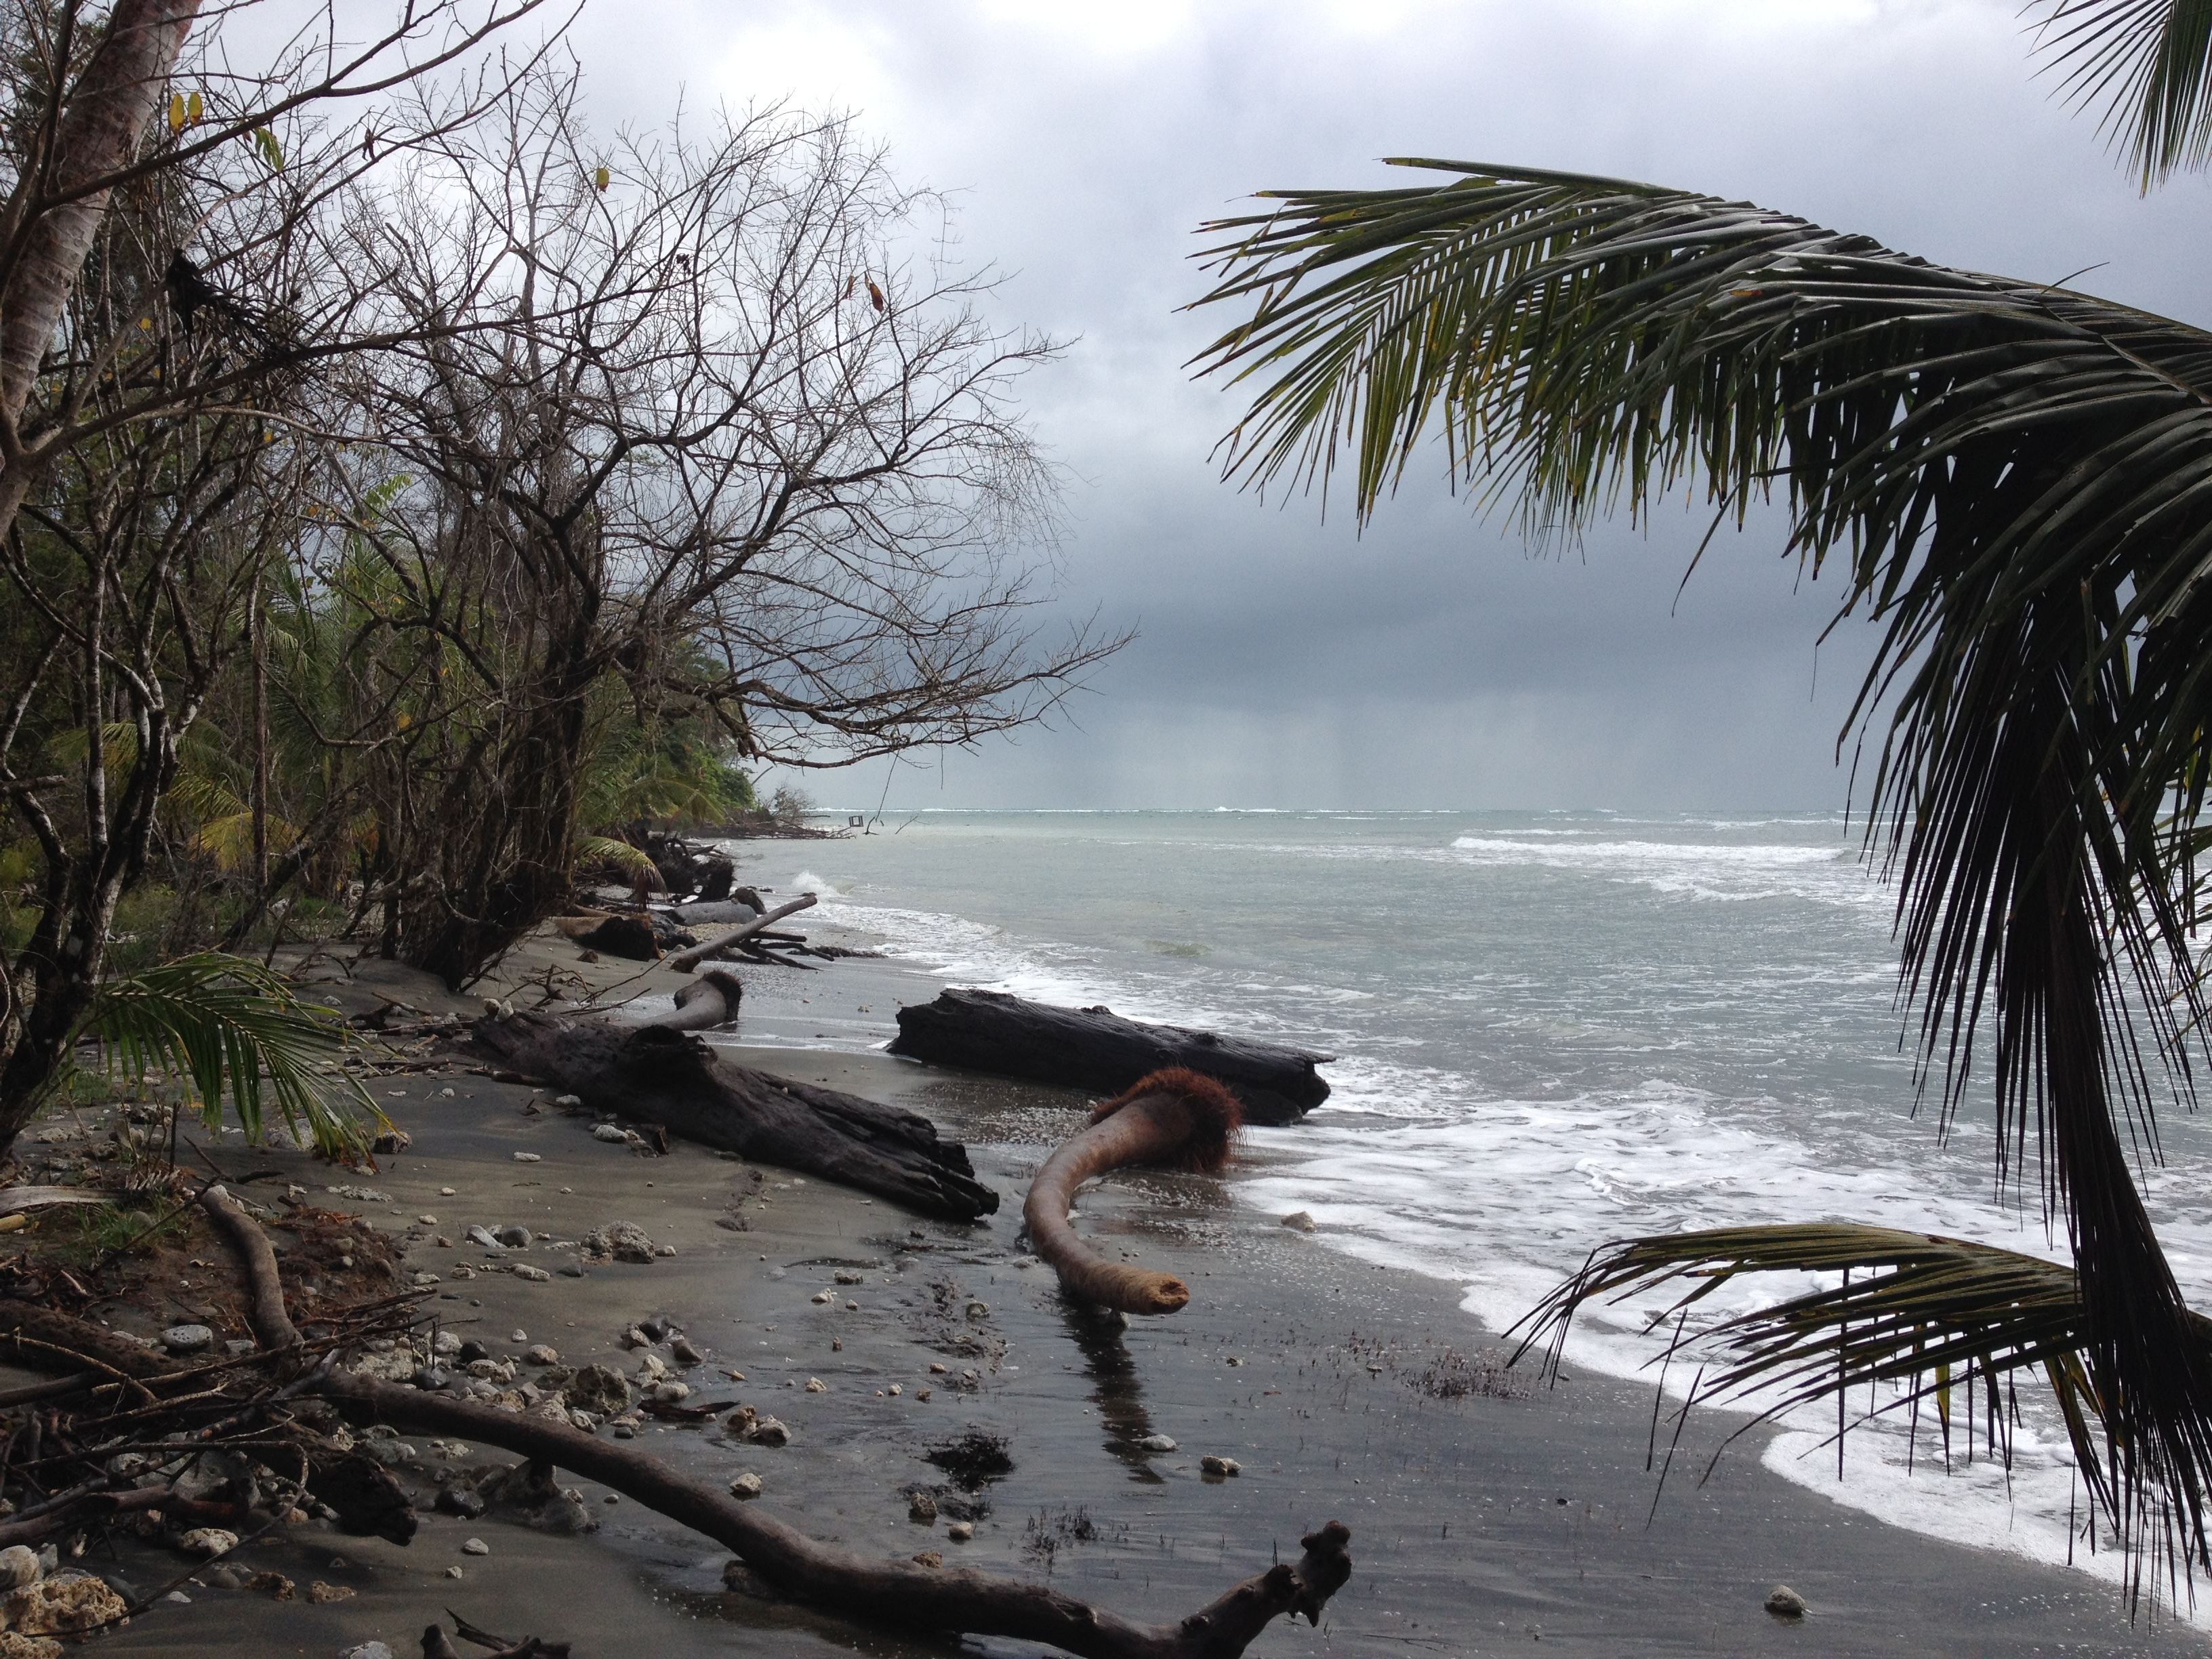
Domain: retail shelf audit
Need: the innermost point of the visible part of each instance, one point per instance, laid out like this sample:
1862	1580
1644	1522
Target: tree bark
1096	1049
1175	1120
655	1074
903	1595
97	134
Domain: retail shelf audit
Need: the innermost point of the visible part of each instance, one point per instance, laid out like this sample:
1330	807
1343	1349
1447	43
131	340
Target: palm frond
1925	1314
2148	64
607	850
2018	482
235	1029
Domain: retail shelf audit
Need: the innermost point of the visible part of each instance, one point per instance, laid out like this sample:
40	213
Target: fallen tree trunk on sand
902	1594
905	1594
1096	1049
1172	1119
659	1074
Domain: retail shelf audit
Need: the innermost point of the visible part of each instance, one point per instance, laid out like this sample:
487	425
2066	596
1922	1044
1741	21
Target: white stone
208	1540
475	1546
18	1566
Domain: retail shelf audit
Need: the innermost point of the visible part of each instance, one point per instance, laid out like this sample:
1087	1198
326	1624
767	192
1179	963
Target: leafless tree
701	414
158	410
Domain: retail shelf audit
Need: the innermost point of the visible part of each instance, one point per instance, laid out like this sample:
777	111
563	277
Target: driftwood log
684	961
904	1594
1097	1049
658	1074
1172	1119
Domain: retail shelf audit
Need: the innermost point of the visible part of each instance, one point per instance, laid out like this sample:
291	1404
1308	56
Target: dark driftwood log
1096	1049
656	1075
902	1594
272	1326
1172	1119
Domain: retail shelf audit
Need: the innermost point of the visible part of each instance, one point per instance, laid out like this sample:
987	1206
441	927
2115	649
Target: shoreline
1479	1523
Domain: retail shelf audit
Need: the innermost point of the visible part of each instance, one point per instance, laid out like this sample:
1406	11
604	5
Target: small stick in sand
1175	1119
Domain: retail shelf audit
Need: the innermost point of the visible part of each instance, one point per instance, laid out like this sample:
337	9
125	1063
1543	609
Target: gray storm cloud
1432	661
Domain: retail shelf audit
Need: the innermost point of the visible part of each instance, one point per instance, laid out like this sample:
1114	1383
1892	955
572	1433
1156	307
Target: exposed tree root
900	1593
890	1592
271	1325
1175	1120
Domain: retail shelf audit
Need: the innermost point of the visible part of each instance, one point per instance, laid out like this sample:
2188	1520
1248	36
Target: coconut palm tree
2014	482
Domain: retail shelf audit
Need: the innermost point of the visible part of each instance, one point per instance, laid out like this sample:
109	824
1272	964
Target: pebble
747	1485
846	1276
323	1594
922	1393
771	1432
207	1541
518	1336
480	1234
685	1353
975	1309
528	1157
567	1100
920	1506
938	1367
515	1238
453	1572
19	1566
187	1339
928	1558
446	1192
368	1650
960	1531
1155	1442
610	1133
823	1297
542	1355
227	1578
894	1391
1211	1465
177	1598
523	1270
1785	1603
816	1385
1301	1221
428	1220
475	1546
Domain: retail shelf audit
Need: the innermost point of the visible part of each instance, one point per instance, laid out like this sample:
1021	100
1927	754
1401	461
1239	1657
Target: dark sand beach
1480	1523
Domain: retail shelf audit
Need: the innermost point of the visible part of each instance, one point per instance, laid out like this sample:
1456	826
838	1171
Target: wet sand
1480	1524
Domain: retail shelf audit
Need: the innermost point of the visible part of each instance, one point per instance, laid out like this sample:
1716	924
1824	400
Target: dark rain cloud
1434	660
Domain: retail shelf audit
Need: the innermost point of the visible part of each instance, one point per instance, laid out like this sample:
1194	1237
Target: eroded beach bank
1486	1513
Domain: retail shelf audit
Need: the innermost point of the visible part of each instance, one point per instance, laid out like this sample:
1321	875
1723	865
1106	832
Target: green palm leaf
2016	483
1919	1310
236	1029
2150	63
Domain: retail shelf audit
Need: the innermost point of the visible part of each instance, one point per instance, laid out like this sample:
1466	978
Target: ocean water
1554	1029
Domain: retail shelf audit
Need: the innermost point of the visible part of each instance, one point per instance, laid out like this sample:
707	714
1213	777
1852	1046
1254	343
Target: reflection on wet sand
1115	1391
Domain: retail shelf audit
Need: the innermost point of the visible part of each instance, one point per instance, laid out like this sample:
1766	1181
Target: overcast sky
1432	662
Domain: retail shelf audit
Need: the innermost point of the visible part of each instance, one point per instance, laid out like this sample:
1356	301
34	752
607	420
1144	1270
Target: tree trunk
98	133
655	1074
1096	1049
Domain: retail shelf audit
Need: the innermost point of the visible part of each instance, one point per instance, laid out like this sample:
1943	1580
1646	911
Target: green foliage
1915	1309
234	1027
2150	63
